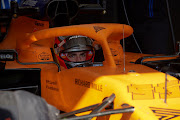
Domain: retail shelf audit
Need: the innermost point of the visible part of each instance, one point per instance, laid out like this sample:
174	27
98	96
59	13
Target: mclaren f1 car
121	87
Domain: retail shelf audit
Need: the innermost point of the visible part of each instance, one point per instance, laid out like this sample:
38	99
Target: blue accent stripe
150	8
152	14
5	4
2	4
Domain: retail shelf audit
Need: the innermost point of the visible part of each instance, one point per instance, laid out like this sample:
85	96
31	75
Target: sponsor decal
82	83
148	91
96	86
166	114
44	56
98	28
87	84
76	36
6	56
51	85
39	24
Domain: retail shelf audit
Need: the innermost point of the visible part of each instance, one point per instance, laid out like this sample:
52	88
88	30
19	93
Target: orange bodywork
71	89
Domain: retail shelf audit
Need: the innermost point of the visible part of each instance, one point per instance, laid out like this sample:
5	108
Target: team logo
39	24
44	56
166	114
98	28
63	55
90	53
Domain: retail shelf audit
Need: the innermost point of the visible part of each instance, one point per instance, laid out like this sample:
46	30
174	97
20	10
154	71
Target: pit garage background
155	22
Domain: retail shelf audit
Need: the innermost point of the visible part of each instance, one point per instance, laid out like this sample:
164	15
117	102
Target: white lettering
6	56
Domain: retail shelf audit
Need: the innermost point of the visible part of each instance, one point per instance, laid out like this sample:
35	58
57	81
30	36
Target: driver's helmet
76	51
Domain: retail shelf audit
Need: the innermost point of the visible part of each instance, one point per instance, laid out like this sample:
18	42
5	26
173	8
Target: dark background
149	19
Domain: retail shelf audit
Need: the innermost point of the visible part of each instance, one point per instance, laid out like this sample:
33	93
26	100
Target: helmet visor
77	56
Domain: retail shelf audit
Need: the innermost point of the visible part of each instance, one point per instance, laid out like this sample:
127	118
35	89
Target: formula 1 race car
117	88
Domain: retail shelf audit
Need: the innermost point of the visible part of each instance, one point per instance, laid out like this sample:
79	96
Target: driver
76	51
